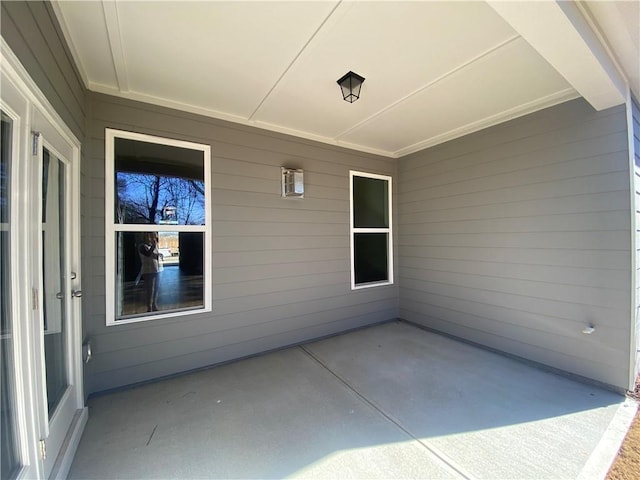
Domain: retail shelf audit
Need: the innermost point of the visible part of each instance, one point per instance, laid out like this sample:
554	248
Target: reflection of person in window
150	269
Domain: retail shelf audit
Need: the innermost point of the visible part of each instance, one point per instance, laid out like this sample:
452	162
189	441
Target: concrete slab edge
599	462
130	386
525	361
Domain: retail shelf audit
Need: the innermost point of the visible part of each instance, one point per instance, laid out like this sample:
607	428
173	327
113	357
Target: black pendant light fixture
350	85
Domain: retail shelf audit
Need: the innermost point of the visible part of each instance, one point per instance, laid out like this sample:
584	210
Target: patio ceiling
434	70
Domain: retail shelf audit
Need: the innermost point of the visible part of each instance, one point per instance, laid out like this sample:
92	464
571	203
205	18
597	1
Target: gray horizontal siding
240	342
514	237
518	237
281	267
635	118
32	31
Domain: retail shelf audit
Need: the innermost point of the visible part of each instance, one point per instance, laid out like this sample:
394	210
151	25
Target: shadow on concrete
387	401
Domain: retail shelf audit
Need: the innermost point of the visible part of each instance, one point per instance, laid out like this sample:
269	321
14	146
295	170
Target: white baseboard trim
70	445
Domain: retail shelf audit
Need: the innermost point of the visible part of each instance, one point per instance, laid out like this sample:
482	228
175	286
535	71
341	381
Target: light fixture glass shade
350	85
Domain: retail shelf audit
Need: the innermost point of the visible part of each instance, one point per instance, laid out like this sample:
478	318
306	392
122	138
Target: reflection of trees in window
161	186
153	199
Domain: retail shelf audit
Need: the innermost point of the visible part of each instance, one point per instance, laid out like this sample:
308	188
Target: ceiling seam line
430	84
116	46
187	108
295	59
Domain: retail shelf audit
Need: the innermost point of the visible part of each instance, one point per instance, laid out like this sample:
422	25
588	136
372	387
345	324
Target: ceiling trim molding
560	33
205	112
70	44
428	85
519	111
163	102
318	138
110	11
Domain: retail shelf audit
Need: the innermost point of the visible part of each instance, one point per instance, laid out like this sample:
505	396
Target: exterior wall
515	237
518	237
281	267
32	31
635	111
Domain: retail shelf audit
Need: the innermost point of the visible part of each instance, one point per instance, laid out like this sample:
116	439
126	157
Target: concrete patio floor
389	401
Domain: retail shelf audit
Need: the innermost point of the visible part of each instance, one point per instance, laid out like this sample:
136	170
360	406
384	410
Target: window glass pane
158	272
370	203
370	257
9	461
158	184
54	243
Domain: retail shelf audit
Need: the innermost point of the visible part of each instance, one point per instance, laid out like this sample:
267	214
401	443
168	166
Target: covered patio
485	185
388	401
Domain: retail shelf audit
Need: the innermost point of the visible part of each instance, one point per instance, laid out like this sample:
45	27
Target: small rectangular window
371	232
158	238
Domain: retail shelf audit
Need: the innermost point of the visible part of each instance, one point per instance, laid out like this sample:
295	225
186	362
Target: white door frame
35	113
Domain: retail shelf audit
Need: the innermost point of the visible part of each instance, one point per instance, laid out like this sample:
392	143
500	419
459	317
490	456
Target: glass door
54	265
42	412
10	458
54	277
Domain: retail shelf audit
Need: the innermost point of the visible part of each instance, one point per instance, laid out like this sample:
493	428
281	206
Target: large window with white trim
158	227
371	230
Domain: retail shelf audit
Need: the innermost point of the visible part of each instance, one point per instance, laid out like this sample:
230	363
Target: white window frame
111	227
31	111
389	230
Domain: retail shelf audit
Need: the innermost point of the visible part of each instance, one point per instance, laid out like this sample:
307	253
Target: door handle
59	295
76	293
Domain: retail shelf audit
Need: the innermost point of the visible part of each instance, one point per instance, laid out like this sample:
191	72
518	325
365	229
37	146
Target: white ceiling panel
217	55
87	37
434	70
483	92
397	47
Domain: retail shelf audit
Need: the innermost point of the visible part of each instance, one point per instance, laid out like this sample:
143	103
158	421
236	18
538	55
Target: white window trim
111	227
353	230
34	104
26	403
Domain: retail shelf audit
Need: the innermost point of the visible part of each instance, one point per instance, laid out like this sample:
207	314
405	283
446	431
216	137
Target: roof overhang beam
559	32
